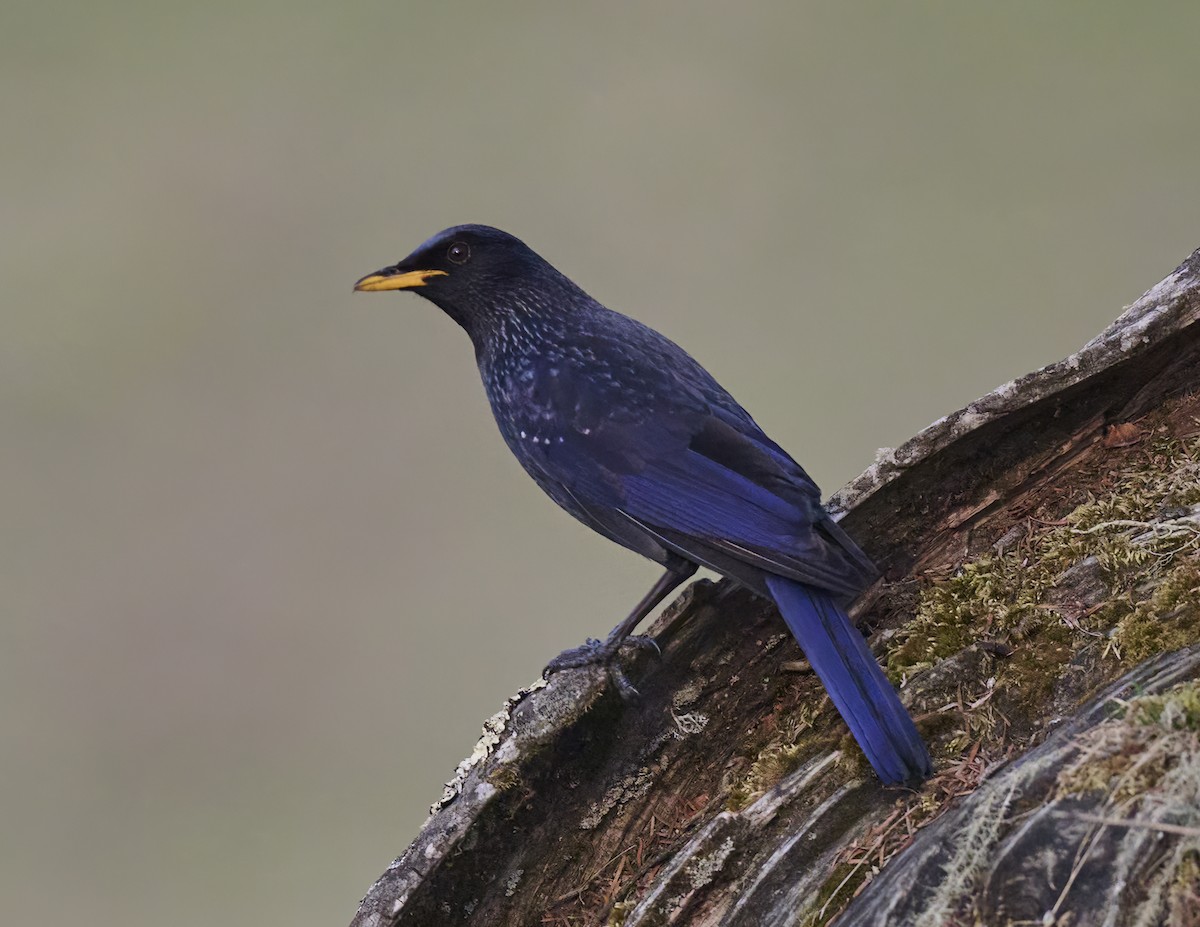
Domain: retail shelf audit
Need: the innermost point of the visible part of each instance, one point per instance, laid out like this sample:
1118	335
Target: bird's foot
606	654
601	653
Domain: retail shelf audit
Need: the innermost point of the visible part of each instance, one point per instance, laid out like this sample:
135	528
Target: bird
633	437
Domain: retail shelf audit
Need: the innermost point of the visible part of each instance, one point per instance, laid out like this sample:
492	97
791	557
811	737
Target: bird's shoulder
602	356
572	366
613	392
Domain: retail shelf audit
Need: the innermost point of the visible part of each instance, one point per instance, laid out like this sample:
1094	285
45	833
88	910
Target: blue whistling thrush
624	430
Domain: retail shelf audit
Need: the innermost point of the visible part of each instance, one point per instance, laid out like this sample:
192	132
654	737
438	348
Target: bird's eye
459	252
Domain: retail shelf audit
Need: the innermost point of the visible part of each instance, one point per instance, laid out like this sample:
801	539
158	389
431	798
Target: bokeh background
266	565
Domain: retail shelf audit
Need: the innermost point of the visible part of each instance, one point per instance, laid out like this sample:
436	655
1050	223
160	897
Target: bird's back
610	416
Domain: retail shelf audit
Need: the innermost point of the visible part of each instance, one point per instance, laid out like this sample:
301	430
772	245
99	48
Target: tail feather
854	680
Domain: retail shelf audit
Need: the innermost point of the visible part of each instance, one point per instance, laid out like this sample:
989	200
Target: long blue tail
853	678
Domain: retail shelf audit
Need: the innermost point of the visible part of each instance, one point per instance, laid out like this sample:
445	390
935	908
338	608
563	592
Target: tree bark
1041	608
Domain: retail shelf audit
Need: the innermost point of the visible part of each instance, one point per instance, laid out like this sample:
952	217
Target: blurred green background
266	564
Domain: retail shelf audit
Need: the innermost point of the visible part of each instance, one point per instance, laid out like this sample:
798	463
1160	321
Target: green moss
1177	709
1183	899
835	893
795	741
1034	668
1006	596
950	614
1093	776
505	777
1123	777
1134	754
1168	620
992	597
767	769
954	733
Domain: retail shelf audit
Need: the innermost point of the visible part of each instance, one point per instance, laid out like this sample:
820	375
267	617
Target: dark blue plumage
624	430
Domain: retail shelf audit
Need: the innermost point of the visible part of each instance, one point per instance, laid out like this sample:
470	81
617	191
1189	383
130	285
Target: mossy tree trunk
1041	610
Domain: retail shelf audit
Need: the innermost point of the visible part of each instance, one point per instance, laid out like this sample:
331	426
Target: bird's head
473	273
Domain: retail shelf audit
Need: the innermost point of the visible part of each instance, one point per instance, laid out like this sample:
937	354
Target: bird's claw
643	642
591	652
608	655
621	683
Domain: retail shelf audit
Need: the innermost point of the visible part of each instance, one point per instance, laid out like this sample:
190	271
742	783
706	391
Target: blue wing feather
693	494
763	514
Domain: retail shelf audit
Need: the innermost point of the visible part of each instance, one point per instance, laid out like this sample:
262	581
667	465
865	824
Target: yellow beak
383	280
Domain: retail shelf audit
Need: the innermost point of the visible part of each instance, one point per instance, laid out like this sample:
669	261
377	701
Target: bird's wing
699	478
735	495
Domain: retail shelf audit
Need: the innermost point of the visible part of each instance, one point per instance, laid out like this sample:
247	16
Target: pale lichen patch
493	731
632	787
692	722
684	696
704	869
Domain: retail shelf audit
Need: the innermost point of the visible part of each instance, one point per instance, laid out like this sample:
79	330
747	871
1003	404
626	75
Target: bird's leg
667	583
606	652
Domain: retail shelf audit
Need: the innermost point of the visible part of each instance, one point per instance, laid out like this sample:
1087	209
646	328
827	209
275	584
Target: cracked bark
1033	632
